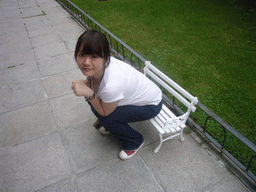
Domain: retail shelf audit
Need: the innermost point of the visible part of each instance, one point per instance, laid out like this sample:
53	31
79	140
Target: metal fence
127	54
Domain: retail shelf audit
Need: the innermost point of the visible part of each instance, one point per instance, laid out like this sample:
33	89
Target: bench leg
160	144
181	135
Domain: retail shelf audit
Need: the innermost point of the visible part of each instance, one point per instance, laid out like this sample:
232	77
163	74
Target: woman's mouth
86	69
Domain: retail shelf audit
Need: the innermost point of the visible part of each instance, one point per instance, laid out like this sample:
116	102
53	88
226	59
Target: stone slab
183	166
19	74
56	12
70	110
27	3
50	50
31	11
128	176
9	9
47	3
41	31
9	5
45	40
69	31
71	45
66	185
229	184
9	38
87	148
11	29
60	84
8	60
39	22
15	47
33	165
57	64
20	95
25	124
60	20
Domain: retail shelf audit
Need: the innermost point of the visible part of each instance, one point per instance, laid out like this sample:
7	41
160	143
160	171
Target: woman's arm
104	109
81	88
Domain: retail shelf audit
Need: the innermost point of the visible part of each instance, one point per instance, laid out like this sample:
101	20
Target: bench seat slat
157	126
162	116
168	112
161	124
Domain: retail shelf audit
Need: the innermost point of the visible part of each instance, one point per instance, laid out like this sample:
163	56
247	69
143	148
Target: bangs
91	47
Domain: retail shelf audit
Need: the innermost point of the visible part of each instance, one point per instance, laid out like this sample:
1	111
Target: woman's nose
86	60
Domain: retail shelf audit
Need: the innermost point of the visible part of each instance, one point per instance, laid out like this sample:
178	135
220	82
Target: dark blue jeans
117	122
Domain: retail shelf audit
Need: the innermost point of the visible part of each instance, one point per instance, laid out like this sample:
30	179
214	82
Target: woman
118	93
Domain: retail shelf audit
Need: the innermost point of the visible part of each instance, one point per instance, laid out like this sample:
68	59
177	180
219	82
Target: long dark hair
93	42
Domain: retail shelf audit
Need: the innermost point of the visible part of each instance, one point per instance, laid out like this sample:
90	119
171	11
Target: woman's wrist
90	97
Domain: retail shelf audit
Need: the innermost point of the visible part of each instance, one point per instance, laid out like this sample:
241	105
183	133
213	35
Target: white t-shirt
122	82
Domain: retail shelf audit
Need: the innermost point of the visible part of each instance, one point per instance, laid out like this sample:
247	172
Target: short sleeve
112	94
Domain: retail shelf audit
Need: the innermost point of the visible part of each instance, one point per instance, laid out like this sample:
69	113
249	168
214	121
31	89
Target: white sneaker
128	154
103	131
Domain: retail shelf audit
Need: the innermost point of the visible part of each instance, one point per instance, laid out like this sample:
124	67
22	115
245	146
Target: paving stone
41	31
182	166
71	45
50	50
25	124
32	23
45	40
60	20
129	176
229	184
20	95
37	23
69	32
60	84
21	57
57	64
15	47
33	165
9	10
27	3
87	148
66	185
31	11
9	4
8	25
9	38
55	12
18	74
47	3
70	110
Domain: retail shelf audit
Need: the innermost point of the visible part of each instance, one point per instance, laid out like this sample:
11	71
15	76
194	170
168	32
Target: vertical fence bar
249	163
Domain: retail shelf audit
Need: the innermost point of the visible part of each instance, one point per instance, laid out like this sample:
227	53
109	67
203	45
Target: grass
206	46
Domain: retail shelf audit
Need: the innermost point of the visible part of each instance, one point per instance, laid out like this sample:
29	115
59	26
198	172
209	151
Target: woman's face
90	65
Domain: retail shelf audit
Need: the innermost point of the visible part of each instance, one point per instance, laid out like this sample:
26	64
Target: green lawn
206	46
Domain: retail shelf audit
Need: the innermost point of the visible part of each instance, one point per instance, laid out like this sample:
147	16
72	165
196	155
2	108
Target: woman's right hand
82	88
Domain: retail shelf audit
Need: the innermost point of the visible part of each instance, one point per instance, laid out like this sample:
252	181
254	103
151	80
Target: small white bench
166	122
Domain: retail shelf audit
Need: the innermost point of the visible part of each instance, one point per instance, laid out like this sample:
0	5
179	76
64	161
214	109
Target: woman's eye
94	57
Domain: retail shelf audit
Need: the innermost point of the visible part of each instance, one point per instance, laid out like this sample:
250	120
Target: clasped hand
81	88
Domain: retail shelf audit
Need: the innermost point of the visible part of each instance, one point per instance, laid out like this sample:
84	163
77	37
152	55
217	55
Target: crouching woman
118	94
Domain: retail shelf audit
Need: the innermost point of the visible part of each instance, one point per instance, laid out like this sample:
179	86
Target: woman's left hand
80	88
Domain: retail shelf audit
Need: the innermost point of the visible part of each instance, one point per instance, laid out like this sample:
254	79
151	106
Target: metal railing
127	54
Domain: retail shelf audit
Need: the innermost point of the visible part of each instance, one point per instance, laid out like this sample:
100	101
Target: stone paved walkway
47	142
